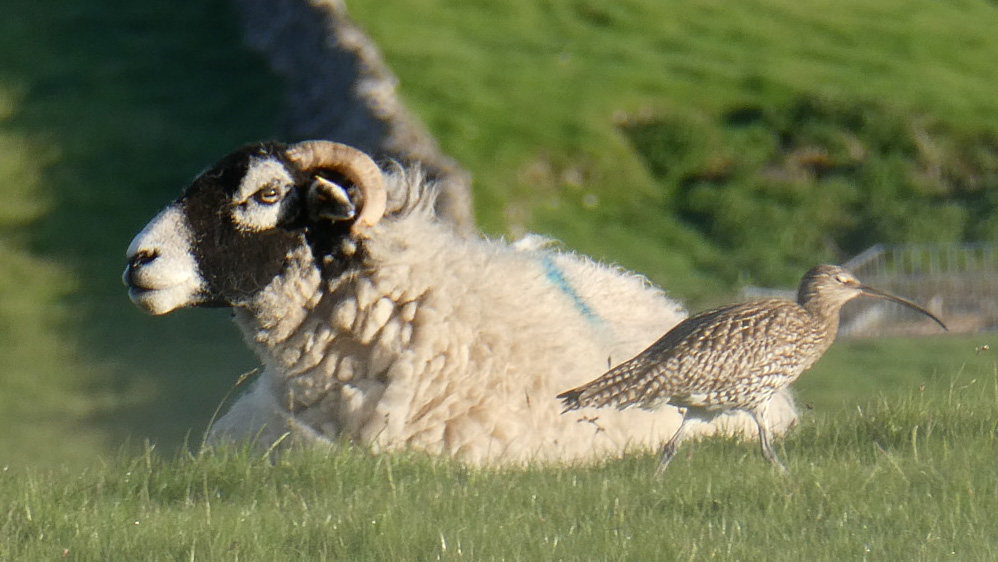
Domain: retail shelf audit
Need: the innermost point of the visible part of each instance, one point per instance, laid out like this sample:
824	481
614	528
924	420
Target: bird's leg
766	438
669	450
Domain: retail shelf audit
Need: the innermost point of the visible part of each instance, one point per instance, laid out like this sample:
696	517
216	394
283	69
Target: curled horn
355	166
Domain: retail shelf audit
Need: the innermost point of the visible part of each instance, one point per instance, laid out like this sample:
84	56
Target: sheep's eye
268	195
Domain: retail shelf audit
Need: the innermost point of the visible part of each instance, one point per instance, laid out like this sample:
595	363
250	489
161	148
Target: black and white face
226	238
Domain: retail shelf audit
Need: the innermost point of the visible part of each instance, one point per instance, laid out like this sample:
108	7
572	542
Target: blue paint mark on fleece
553	274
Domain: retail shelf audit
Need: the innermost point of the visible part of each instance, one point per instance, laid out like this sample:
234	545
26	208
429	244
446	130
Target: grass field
107	108
909	477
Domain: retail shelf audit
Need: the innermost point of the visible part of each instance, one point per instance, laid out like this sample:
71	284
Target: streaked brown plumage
732	358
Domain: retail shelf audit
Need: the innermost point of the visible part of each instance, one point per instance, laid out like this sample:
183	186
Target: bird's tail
572	399
614	388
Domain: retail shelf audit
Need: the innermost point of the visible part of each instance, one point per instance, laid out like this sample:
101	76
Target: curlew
732	358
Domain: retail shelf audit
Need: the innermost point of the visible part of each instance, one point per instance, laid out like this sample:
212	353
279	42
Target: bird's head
828	287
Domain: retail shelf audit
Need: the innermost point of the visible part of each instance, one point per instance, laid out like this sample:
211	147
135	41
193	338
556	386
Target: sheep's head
235	227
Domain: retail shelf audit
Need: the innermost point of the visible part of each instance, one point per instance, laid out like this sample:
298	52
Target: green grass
905	478
107	108
854	370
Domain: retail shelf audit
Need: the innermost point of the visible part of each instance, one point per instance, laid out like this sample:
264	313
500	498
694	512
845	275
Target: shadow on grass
135	98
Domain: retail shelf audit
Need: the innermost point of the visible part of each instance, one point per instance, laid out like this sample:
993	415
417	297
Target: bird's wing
639	379
697	361
620	387
740	353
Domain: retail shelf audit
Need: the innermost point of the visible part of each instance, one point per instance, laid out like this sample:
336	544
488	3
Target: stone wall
339	88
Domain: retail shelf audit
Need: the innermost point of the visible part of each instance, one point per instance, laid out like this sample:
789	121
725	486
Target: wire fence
957	282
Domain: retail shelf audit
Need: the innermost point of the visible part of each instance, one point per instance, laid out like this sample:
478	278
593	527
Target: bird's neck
826	318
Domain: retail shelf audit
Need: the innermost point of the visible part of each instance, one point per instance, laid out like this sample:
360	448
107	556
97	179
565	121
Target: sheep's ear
327	200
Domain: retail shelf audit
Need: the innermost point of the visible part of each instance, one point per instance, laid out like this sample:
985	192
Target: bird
732	358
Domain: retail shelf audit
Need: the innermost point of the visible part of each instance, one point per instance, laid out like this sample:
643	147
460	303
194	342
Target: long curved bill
871	292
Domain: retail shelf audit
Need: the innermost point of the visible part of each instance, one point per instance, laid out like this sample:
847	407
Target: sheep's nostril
143	257
135	264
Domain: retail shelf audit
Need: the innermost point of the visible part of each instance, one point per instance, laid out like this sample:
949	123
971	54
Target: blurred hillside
107	109
708	143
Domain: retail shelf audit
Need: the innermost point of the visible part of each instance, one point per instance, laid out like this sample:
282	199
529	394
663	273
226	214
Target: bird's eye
268	195
844	279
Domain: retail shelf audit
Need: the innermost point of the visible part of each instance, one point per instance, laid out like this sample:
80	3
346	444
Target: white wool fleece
454	346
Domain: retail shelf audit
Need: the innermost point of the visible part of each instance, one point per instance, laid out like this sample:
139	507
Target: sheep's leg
766	438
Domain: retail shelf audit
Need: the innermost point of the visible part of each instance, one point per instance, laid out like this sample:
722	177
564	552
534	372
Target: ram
377	323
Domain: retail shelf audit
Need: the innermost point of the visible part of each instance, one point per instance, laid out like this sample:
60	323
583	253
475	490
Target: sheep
376	323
